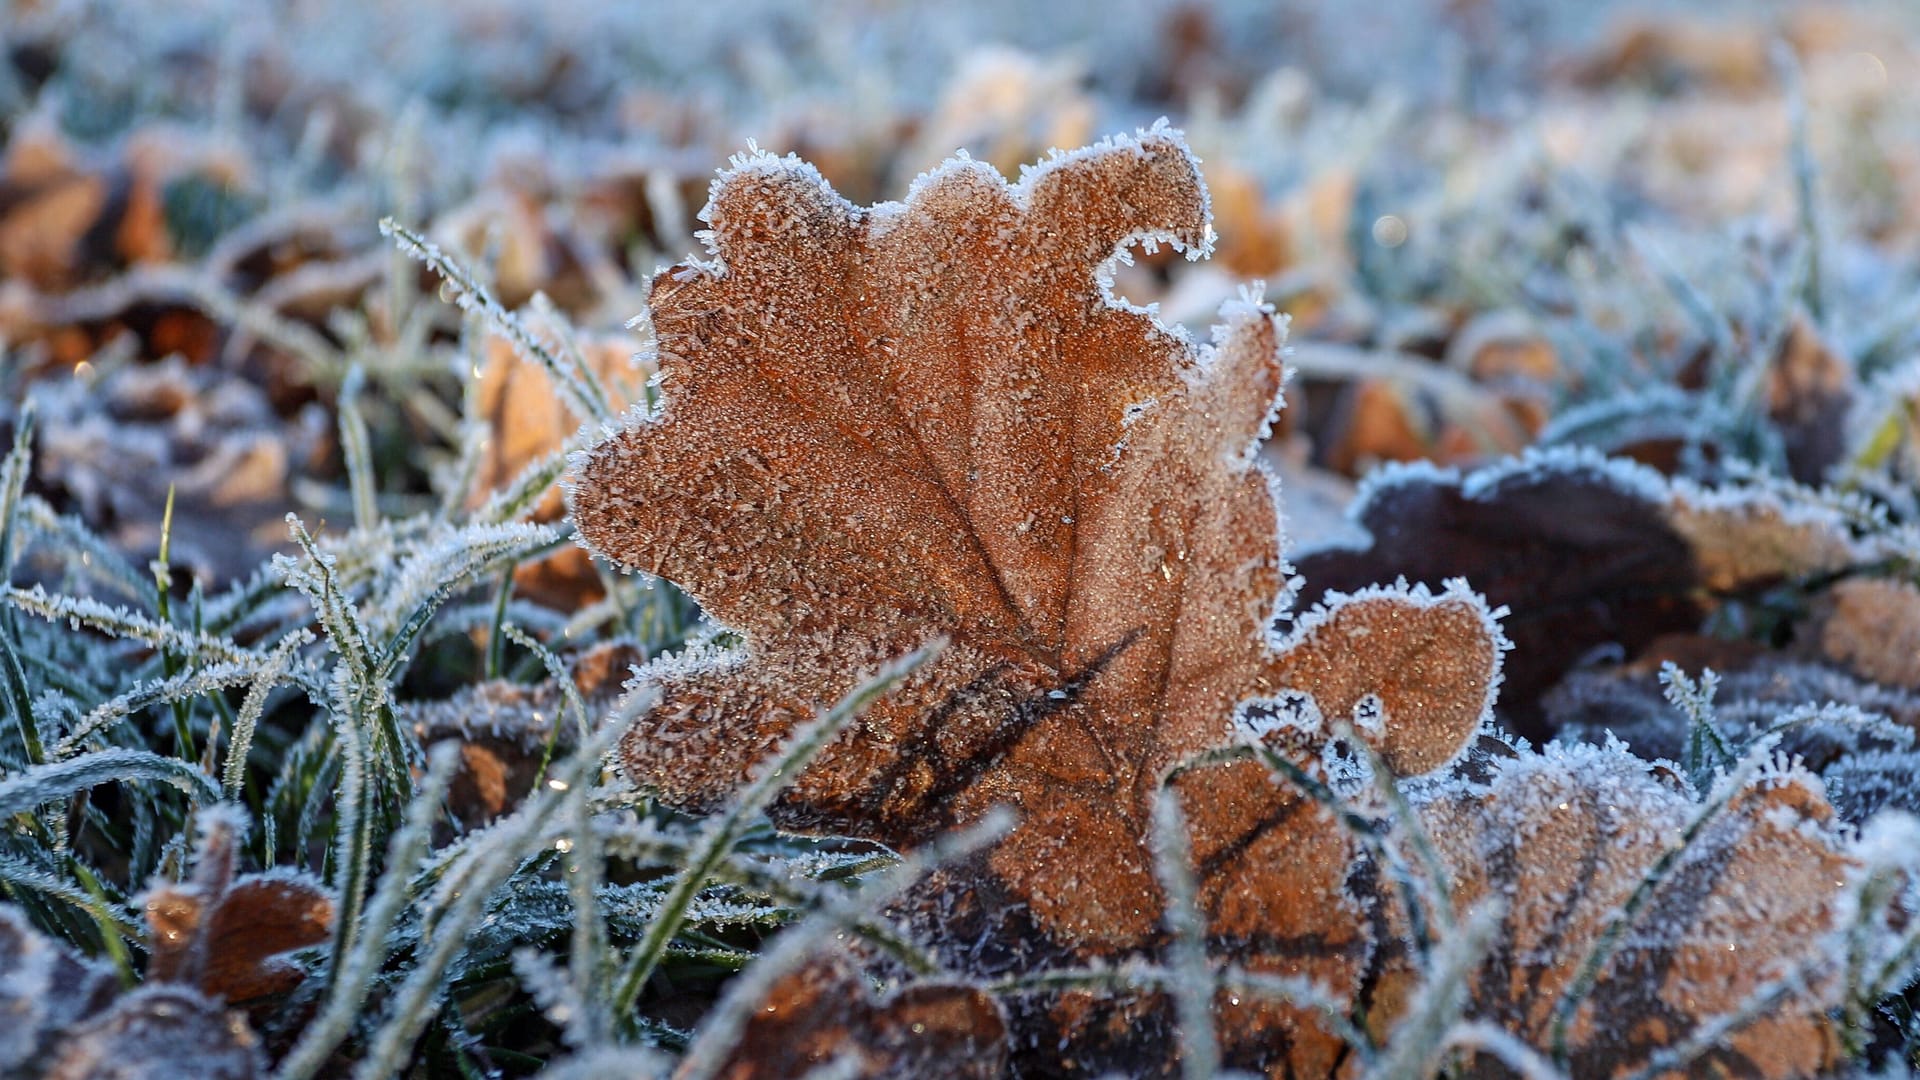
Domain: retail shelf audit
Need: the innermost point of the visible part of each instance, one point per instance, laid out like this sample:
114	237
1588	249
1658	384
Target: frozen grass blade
1707	751
579	389
1193	985
1526	1062
42	784
188	684
1130	977
353	969
524	491
461	897
13	484
1413	1050
234	777
1813	290
357	448
584	864
123	623
19	704
21	874
557	671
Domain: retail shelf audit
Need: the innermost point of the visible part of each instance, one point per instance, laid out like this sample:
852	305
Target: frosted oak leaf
930	418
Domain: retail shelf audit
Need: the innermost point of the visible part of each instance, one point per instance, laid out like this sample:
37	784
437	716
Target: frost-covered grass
583	930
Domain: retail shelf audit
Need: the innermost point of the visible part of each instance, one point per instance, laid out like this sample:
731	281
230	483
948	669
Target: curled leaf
227	935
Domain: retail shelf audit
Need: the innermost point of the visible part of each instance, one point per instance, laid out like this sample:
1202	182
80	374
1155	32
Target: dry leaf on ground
226	935
925	419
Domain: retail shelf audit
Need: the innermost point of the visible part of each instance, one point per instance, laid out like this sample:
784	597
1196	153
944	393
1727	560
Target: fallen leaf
1858	736
925	419
1871	626
1566	837
1589	554
160	1032
1579	559
228	936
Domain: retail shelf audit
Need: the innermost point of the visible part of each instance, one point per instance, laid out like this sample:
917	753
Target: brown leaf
1872	627
226	935
925	419
1588	554
1566	837
825	1012
1580	560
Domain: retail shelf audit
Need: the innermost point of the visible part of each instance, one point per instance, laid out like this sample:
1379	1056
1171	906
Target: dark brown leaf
1579	559
228	936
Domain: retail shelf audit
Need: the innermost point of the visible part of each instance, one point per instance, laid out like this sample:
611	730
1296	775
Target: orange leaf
929	418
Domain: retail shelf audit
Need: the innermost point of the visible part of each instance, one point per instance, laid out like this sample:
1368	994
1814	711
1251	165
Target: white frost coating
1624	475
1657	402
1290	711
1249	310
1873	918
1866	784
1348	772
1627	476
1370	716
1393	474
1280	612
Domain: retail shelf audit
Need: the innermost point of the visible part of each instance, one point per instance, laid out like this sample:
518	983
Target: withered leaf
926	419
1579	559
1567	836
227	935
1872	627
1589	554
